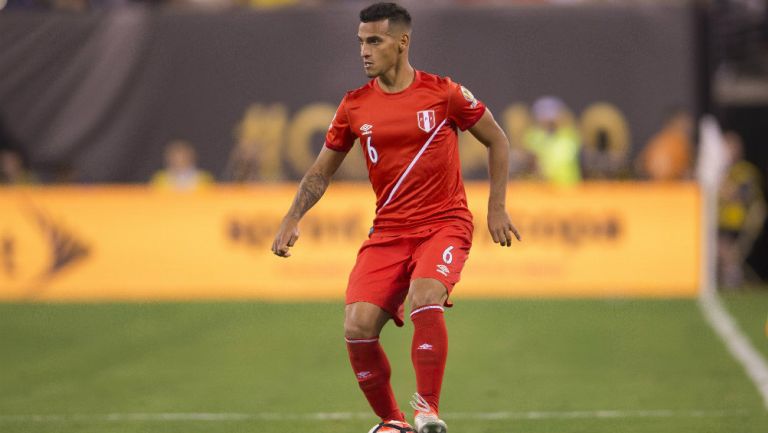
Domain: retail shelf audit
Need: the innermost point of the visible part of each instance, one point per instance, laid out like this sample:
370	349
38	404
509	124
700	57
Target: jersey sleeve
464	110
340	136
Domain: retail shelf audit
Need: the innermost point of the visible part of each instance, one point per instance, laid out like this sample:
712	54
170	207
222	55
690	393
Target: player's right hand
286	237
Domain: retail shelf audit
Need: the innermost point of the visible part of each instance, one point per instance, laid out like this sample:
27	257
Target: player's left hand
501	228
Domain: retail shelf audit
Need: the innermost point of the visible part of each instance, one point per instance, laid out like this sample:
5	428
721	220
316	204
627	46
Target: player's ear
405	41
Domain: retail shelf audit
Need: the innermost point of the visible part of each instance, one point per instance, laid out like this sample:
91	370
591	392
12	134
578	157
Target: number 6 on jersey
372	154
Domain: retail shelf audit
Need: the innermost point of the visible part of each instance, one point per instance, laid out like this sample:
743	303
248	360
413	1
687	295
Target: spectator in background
181	172
604	160
13	170
741	209
554	142
244	162
605	143
668	155
13	167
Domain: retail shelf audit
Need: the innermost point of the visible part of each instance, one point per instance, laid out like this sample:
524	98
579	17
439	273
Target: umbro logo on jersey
443	270
366	129
426	120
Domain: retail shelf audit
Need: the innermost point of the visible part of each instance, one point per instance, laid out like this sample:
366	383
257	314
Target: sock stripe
426	307
361	340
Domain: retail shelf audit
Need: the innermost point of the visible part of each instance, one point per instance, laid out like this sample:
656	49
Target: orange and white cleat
426	420
392	426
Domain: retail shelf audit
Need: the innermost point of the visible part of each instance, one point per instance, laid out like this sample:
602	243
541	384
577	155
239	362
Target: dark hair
386	11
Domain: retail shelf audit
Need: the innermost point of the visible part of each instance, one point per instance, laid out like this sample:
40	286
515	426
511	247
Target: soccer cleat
391	426
426	420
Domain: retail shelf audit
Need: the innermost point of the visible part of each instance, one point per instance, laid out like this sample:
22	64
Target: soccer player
406	121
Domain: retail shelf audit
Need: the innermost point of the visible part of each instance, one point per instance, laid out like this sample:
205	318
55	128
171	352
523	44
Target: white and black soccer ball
393	426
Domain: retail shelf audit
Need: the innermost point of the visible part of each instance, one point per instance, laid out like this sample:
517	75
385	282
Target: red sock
372	370
429	351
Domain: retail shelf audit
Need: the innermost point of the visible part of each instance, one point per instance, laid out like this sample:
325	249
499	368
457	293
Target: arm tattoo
312	187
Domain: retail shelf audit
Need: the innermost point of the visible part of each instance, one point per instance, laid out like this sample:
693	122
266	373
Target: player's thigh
380	276
441	257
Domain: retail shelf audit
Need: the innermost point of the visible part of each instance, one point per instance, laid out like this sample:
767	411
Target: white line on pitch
328	416
712	307
737	343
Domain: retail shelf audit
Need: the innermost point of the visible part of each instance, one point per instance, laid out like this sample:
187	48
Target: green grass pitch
561	366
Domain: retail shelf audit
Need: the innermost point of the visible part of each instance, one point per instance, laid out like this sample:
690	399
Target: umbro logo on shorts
443	270
425	346
363	374
366	129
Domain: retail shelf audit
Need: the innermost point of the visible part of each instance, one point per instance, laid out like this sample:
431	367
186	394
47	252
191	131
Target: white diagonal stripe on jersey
410	166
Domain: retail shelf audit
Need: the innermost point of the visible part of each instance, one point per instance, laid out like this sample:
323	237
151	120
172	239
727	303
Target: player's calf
429	352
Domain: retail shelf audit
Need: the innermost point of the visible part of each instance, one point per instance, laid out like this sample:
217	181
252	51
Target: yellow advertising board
120	243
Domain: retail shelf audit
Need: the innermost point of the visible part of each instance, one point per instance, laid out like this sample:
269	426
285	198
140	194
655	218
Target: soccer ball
391	426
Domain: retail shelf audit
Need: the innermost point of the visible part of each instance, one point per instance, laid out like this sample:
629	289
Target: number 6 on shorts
447	256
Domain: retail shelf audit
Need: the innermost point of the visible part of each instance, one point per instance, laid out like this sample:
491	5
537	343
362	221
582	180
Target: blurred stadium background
149	149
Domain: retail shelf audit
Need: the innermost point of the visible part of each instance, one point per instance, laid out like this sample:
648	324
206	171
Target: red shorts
387	263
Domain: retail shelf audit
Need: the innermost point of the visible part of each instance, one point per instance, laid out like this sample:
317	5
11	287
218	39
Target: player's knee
435	295
357	329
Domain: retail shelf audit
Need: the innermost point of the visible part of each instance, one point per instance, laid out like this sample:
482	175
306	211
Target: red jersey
410	143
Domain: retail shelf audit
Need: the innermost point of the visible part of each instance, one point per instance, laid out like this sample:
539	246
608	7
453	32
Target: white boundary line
712	307
736	342
334	416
